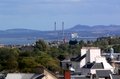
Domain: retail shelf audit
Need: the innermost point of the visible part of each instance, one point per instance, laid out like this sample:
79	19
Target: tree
116	48
81	43
73	42
8	58
26	64
48	62
41	45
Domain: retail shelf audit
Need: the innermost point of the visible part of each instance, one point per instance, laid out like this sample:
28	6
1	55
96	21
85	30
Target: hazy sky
41	14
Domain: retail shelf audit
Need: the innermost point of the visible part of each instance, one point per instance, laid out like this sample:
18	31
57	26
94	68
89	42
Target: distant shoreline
25	41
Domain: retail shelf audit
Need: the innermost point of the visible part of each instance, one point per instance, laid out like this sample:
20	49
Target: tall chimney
67	74
63	29
55	26
63	33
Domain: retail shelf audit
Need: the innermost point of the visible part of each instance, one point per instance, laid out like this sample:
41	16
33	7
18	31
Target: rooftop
90	48
23	76
115	76
103	73
78	58
94	66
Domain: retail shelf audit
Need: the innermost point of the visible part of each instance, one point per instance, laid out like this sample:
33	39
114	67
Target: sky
41	14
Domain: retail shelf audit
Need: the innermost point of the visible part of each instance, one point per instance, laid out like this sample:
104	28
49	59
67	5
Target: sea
26	41
17	41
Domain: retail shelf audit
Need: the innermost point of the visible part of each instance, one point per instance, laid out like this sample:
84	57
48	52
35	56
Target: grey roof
80	78
94	66
98	66
24	76
66	61
78	58
103	73
115	76
75	77
88	65
37	76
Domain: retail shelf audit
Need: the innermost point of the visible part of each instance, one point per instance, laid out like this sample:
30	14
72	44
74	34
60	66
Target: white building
91	53
93	61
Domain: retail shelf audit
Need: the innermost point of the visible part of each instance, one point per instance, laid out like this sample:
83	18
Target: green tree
81	43
48	62
27	64
8	58
41	45
116	48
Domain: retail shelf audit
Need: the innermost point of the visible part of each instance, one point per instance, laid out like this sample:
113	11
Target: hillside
82	30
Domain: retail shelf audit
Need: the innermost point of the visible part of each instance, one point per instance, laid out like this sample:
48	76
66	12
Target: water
17	41
26	41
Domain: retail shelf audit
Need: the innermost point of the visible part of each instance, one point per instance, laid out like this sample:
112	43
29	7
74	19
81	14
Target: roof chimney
67	74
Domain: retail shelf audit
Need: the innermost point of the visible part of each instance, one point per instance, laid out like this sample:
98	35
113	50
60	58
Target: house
45	75
69	75
93	61
90	65
65	63
91	53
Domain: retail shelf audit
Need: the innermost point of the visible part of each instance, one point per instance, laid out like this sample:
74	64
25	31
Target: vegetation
16	60
49	55
105	43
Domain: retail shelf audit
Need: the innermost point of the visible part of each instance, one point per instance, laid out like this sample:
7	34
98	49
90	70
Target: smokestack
63	29
55	31
67	74
63	34
55	26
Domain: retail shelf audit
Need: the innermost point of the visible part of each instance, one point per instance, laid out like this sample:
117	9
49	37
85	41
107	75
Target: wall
76	66
49	75
92	54
83	61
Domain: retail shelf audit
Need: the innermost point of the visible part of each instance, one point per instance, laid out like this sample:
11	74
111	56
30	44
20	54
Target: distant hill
96	31
82	30
20	30
95	28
